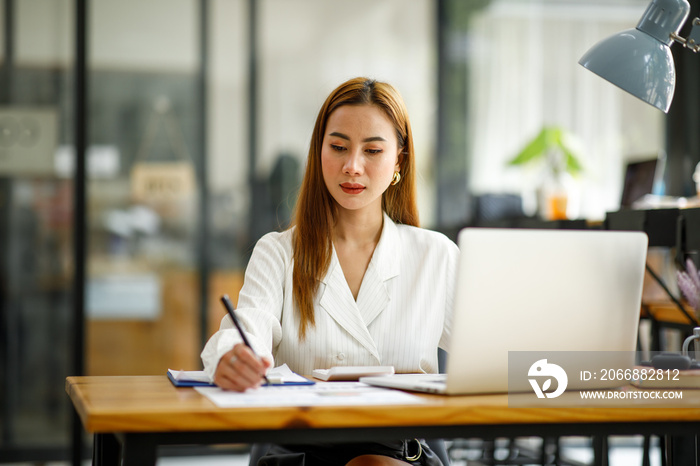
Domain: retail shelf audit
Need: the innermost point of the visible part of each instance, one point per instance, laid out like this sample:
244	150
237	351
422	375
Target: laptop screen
639	180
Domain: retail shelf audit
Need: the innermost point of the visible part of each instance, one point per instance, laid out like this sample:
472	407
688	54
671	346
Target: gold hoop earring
395	180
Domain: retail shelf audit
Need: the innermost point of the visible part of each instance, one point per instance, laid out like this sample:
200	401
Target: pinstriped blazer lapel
339	303
373	297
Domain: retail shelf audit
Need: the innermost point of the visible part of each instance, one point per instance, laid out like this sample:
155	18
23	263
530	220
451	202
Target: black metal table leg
105	451
138	450
646	450
668	441
600	450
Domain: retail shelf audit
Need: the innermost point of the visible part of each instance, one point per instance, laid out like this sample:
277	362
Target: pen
229	309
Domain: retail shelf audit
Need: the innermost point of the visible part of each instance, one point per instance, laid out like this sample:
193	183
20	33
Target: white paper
320	394
284	374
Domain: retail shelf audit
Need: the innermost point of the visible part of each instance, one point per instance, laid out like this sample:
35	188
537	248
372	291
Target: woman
353	282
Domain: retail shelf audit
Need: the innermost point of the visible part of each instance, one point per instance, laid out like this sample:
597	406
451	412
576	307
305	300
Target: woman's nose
353	163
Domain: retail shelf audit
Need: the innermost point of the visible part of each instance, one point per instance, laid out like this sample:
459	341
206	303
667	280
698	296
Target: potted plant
554	150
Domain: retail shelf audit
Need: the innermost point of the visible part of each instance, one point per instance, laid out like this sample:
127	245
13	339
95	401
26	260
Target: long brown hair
315	211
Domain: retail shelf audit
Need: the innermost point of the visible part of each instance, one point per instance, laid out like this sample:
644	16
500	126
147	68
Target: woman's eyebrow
347	138
340	135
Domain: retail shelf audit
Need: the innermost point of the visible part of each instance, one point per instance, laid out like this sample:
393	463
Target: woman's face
359	156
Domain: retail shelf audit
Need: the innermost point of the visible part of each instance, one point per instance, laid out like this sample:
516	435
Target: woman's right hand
240	369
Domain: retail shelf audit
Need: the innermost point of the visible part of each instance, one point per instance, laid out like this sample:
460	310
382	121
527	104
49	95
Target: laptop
524	290
641	177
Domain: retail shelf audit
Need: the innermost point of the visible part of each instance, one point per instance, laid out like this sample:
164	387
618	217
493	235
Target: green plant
553	147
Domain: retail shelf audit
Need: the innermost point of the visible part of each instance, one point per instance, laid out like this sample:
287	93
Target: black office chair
257	451
438	446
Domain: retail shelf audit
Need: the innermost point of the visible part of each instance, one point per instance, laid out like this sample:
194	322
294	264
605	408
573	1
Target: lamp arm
693	40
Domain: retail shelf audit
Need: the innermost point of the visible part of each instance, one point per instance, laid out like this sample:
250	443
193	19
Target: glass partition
145	147
36	228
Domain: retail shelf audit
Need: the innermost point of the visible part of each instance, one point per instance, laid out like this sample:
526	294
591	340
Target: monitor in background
639	180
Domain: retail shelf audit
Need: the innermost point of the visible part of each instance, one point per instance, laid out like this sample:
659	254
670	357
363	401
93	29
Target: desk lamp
639	60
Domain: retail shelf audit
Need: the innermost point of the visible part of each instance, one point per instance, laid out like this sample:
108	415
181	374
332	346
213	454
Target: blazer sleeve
260	303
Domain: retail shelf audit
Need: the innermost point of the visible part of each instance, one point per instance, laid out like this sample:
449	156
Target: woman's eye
374	151
337	148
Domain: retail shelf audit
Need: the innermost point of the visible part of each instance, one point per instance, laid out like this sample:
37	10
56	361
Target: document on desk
320	394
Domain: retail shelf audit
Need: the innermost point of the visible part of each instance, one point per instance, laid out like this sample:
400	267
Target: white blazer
402	314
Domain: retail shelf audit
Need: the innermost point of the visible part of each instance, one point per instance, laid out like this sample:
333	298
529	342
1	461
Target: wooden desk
139	413
667	312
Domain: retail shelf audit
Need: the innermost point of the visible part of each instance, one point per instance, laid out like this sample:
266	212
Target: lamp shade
639	60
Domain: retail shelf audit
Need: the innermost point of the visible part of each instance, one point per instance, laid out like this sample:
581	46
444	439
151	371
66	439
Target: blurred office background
197	124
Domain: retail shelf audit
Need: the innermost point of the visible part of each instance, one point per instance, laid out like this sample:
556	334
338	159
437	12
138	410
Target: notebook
537	290
277	376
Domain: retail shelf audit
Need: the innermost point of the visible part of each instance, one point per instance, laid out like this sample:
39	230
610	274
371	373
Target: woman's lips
352	188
